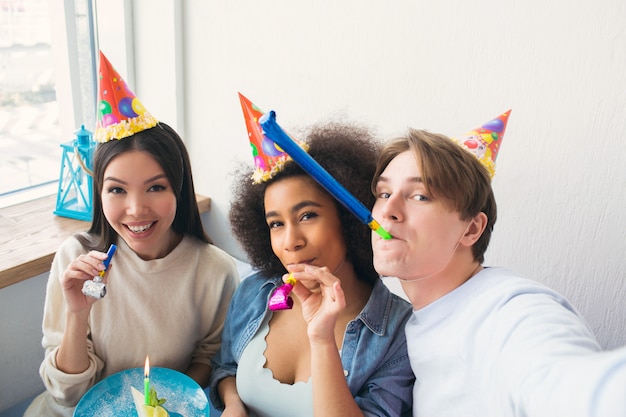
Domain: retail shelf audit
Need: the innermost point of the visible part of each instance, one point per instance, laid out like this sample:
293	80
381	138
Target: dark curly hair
348	152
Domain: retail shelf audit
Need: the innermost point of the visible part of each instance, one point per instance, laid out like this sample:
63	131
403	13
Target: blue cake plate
112	396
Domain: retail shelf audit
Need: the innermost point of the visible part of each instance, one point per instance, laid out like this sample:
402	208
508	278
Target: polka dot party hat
269	158
484	142
120	113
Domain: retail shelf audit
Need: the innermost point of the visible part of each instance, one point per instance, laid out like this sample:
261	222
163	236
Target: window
47	90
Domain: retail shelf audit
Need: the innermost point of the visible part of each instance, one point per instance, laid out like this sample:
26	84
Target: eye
382	194
157	187
308	215
420	197
115	190
274	224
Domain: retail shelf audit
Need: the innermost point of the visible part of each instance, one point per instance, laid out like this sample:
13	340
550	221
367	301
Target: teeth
139	229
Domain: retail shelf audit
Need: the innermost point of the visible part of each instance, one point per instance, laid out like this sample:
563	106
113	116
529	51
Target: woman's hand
83	268
322	300
233	406
235	410
72	356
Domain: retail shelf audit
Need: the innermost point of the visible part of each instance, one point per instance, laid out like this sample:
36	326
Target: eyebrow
296	208
149	180
410	180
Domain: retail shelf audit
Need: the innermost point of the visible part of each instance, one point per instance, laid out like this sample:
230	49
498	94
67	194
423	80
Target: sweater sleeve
66	389
221	281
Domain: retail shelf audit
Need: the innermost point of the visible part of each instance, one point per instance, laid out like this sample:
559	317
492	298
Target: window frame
75	80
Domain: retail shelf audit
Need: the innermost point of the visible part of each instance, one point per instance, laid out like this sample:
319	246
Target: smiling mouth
140	229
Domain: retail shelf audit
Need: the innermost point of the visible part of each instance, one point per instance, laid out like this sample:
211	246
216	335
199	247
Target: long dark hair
167	148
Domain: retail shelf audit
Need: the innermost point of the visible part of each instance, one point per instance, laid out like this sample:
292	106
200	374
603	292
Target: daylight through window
47	82
29	114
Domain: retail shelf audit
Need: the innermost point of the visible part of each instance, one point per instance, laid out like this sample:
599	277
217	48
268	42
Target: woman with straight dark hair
167	287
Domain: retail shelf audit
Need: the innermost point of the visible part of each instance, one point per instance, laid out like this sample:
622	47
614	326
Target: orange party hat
484	142
269	158
120	113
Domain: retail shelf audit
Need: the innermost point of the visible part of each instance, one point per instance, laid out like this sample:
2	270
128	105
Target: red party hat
484	142
269	158
120	113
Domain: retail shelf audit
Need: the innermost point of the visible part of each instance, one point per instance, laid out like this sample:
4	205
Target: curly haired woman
341	349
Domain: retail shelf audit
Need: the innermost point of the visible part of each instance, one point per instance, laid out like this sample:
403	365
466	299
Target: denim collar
375	314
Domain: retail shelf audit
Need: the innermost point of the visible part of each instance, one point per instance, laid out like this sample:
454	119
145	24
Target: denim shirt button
345	372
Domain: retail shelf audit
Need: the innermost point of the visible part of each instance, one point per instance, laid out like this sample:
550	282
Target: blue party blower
273	131
96	288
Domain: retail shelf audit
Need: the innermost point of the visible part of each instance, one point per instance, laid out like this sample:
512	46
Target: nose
294	239
389	208
136	205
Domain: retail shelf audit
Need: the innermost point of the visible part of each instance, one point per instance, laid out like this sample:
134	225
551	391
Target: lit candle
146	382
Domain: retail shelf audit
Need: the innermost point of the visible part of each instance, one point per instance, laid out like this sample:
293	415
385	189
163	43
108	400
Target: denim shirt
374	354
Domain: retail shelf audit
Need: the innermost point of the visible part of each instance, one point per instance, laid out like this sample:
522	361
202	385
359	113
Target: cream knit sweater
171	309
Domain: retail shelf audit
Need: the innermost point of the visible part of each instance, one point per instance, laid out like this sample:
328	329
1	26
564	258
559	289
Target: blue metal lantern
75	195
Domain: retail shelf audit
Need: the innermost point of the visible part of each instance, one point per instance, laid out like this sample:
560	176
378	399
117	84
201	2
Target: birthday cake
154	409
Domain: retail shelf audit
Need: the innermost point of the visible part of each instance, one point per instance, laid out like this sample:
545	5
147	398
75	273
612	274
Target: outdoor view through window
30	154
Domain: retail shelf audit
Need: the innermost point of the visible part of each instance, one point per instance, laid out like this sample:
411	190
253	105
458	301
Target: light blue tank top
263	395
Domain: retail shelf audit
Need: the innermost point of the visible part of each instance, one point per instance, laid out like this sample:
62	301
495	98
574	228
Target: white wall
447	66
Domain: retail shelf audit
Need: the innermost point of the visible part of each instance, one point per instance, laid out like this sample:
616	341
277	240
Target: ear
474	230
